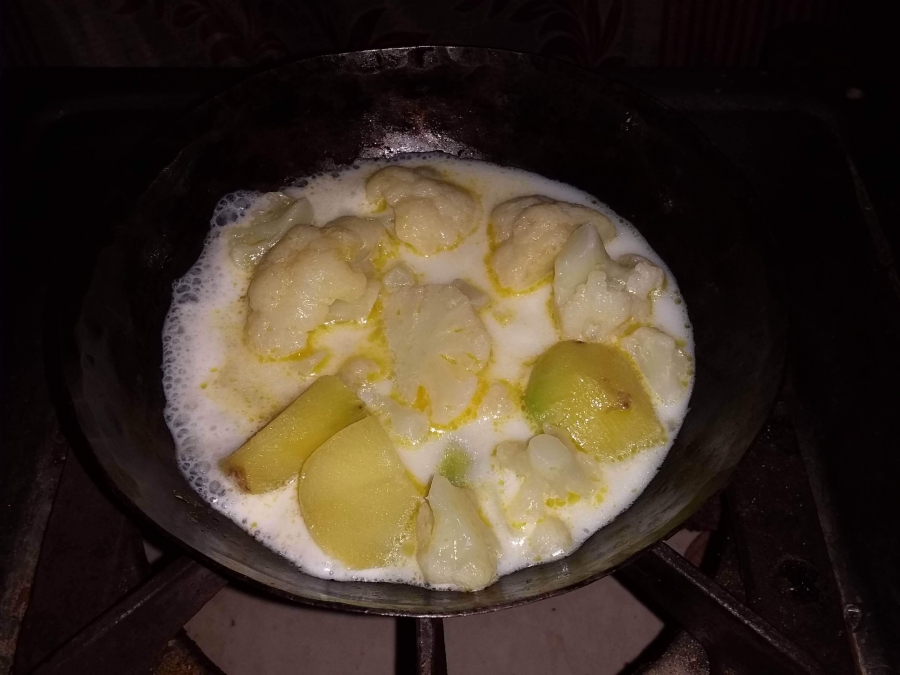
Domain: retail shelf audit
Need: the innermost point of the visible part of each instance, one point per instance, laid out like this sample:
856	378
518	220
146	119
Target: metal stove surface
800	545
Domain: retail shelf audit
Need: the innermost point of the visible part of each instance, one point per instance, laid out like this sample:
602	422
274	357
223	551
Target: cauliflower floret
357	373
559	466
529	232
292	297
553	474
455	546
358	310
511	455
476	296
598	307
596	295
397	277
302	277
550	539
666	368
439	345
430	214
368	234
403	422
497	403
590	465
296	240
276	214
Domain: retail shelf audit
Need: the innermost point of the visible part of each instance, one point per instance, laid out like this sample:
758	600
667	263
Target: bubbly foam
211	409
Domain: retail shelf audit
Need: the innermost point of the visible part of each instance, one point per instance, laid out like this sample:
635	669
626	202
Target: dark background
84	81
832	50
591	33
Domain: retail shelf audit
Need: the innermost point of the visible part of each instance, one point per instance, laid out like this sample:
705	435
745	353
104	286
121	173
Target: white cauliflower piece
497	403
557	464
597	309
405	423
666	368
590	465
439	344
476	296
511	455
529	232
397	277
355	238
529	504
290	298
552	475
357	373
367	233
595	295
358	310
455	546
277	213
430	214
292	243
550	539
302	277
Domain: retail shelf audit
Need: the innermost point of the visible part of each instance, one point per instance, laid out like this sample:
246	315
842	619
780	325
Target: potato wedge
357	500
595	394
277	452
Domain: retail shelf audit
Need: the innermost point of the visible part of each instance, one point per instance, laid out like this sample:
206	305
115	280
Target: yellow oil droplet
377	336
388	251
503	317
319	368
422	402
492	235
203	385
629	328
553	314
420	487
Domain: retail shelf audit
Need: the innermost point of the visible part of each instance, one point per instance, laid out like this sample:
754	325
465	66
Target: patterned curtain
590	33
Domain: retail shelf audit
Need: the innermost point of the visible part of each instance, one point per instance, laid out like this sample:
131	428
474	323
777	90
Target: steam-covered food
528	233
430	214
426	370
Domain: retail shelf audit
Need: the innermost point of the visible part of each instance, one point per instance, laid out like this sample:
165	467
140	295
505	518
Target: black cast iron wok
508	108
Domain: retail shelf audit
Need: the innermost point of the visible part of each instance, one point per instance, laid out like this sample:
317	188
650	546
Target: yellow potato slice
275	454
357	500
595	394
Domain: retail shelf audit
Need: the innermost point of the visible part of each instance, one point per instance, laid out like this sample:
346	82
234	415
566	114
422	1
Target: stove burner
771	594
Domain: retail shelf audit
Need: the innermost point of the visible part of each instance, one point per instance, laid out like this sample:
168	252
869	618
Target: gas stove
796	567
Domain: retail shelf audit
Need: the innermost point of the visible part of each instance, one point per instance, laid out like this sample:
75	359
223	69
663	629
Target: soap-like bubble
205	430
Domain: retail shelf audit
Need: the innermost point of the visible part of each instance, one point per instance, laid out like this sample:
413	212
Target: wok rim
72	348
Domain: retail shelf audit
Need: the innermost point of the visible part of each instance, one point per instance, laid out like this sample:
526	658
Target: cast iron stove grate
770	595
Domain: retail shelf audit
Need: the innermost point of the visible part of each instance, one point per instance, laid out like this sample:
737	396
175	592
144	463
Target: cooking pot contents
424	370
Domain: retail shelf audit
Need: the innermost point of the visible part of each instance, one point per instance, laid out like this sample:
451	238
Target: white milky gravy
218	393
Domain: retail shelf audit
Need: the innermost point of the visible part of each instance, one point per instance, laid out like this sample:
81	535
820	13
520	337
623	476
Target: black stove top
807	541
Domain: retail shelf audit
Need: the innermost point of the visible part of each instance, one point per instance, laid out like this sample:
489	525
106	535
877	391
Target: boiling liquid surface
219	393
